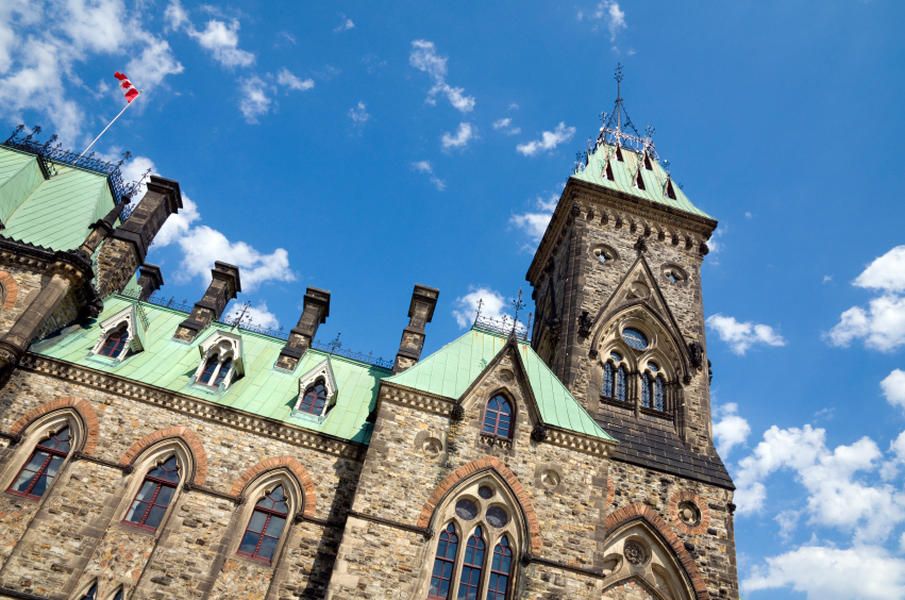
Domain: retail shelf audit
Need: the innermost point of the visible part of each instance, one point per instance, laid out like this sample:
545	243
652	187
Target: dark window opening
154	496
444	564
498	417
115	342
314	399
262	535
472	566
42	467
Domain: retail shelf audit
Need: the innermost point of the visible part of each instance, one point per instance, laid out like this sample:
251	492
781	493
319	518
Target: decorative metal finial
518	305
336	344
477	314
241	315
50	141
34	131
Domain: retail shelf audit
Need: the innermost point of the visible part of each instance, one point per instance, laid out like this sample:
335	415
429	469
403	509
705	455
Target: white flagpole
94	141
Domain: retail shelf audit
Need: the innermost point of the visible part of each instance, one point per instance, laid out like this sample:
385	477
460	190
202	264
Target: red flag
129	90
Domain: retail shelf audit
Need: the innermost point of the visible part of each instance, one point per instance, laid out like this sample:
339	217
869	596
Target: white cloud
424	57
257	315
881	326
95	25
359	114
827	573
609	13
893	387
424	166
221	39
178	225
289	80
505	125
345	24
730	430
255	100
826	279
548	140
534	223
464	134
492	305
787	521
741	335
154	64
885	273
175	16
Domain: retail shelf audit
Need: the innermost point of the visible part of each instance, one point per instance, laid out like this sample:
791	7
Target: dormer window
120	336
619	154
317	391
115	343
639	180
608	170
221	361
648	164
670	190
314	400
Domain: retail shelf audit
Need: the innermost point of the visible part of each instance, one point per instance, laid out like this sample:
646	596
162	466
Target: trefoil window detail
265	527
155	494
37	475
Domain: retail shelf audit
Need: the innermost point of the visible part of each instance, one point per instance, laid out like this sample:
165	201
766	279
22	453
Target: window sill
258	562
143	529
24	496
495	440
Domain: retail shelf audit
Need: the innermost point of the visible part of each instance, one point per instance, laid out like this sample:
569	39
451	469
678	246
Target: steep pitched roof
263	391
54	213
624	173
451	370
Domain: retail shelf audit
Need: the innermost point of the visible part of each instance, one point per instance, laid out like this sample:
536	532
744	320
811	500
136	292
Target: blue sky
363	148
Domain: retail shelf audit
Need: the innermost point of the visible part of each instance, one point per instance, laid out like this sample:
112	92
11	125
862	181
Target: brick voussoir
84	409
187	436
309	501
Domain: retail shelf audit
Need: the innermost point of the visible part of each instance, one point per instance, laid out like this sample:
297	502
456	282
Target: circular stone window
604	254
466	509
485	492
497	517
549	479
689	513
635	338
674	275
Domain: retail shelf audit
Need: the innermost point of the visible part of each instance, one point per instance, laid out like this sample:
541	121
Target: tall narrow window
154	495
265	526
115	342
225	367
207	374
91	594
119	594
498	417
42	467
659	394
472	566
620	383
444	564
500	571
607	388
314	398
646	390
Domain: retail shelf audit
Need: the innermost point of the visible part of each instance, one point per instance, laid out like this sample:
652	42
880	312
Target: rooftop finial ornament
518	305
618	128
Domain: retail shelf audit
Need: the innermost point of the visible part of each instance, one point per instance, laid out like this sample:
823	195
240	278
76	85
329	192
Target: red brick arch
84	409
10	289
642	512
487	463
294	467
185	434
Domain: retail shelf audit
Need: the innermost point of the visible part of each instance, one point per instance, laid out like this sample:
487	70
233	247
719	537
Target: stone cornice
440	405
615	201
193	406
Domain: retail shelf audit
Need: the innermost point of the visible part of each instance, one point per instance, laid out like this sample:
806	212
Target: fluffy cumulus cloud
729	428
742	335
893	387
609	13
881	324
286	78
221	39
491	303
826	573
463	135
534	222
424	166
505	126
39	56
359	114
255	98
425	58
548	140
257	315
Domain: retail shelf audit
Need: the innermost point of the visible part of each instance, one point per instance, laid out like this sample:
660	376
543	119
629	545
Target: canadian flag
129	90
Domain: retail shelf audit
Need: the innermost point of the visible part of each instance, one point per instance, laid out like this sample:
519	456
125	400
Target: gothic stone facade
430	502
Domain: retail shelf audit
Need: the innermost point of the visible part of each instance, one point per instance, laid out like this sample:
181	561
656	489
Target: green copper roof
263	390
624	178
451	369
54	213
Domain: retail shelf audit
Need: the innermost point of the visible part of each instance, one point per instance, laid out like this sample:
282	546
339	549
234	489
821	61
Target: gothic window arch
221	361
314	398
115	342
499	417
46	448
616	370
271	502
475	554
90	593
157	478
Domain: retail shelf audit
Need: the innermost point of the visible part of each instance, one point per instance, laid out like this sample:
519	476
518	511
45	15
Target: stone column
315	311
421	311
224	286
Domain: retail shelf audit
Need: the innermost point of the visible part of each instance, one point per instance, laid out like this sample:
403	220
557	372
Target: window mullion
39	473
151	502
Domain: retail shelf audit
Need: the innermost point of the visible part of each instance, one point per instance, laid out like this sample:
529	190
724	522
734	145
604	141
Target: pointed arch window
265	528
155	495
472	566
118	595
314	400
221	360
615	375
210	367
39	472
225	367
116	341
646	390
91	593
498	417
444	564
500	571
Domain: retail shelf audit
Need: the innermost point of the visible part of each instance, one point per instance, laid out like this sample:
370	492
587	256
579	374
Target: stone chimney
315	311
149	280
102	228
223	287
421	311
127	247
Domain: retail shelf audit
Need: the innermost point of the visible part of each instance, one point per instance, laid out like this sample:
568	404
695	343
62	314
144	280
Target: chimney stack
223	287
149	280
127	247
421	311
315	311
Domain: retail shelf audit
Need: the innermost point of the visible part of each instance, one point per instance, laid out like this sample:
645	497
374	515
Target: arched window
613	385
155	494
115	343
225	368
118	595
91	593
38	473
609	380
653	388
314	399
498	417
472	566
659	394
207	374
262	535
444	564
646	390
621	383
480	564
500	571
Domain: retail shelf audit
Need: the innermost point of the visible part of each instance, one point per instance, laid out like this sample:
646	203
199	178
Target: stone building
155	451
